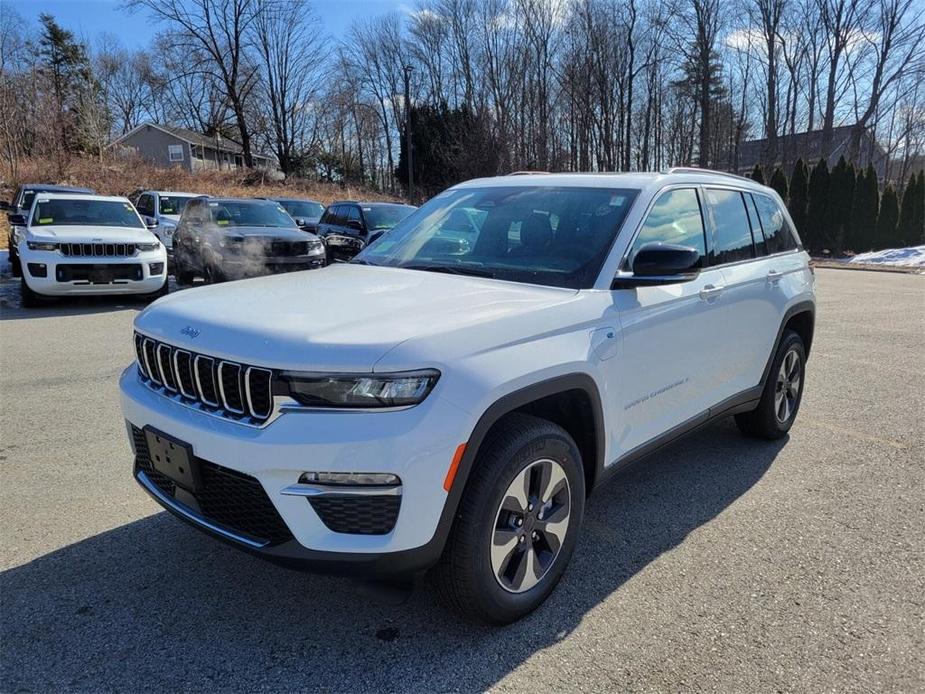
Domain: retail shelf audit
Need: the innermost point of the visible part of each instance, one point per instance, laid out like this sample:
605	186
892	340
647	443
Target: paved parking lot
721	564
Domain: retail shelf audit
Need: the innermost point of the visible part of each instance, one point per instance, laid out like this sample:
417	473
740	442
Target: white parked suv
161	210
451	396
88	244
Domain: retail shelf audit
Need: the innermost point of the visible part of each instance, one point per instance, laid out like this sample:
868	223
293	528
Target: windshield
540	235
172	204
304	208
385	216
249	214
104	213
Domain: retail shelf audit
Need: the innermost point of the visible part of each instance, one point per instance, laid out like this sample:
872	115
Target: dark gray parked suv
232	238
347	227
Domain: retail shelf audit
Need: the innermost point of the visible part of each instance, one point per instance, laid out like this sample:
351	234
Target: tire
499	588
15	266
27	297
163	291
183	274
213	274
783	392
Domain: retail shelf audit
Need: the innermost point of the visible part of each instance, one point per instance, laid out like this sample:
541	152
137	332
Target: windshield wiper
451	270
360	261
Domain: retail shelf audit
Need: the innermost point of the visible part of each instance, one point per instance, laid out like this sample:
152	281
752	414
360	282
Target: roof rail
526	173
697	170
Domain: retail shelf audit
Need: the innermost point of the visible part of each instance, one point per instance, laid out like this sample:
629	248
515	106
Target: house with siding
169	145
808	146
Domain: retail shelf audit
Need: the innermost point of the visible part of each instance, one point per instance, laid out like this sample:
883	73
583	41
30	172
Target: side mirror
150	222
4	205
16	220
660	263
354	224
300	221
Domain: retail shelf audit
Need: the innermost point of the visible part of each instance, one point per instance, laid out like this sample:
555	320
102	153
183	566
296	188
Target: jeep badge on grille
191	332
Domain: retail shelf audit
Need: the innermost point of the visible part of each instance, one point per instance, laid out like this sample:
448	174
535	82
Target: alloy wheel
789	380
530	525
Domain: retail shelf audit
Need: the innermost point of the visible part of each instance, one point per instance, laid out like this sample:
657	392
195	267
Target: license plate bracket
101	274
173	458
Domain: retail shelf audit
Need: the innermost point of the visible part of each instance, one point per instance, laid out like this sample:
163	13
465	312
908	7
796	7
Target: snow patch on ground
914	256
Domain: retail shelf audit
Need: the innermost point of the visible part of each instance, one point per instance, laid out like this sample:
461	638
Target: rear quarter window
777	232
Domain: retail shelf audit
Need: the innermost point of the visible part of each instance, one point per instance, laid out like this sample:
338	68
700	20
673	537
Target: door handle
711	292
774	276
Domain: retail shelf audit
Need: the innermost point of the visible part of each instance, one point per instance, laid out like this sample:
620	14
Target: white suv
451	396
88	244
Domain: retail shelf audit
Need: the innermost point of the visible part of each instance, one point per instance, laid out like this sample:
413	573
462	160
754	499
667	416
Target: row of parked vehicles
70	241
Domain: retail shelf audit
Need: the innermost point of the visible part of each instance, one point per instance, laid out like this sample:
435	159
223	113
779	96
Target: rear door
673	334
751	315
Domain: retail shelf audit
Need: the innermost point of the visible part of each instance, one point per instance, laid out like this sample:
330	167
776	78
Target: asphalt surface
722	564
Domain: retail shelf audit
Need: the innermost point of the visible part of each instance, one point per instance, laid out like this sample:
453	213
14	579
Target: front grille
226	497
96	249
358	515
288	248
243	393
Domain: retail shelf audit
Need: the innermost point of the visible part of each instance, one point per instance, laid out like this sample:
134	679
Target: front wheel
27	297
782	394
517	523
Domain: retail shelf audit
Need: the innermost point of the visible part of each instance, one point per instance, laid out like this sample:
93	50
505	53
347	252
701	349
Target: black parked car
347	227
22	205
306	213
231	238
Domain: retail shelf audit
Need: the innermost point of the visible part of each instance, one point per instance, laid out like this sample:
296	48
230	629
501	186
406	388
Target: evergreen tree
838	205
886	221
798	196
905	227
779	183
863	222
757	174
65	65
817	200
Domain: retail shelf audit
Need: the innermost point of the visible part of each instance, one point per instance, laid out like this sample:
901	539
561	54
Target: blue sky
90	18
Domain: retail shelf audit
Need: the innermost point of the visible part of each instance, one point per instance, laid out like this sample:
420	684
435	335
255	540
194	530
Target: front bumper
236	267
71	275
417	444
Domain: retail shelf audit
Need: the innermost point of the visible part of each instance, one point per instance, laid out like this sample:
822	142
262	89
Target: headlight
338	240
41	246
232	242
361	390
153	246
316	249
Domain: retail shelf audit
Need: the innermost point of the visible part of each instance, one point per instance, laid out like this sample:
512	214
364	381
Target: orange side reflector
454	466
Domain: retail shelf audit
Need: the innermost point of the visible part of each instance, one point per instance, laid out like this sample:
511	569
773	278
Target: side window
675	218
732	234
327	216
145	205
761	248
353	214
776	230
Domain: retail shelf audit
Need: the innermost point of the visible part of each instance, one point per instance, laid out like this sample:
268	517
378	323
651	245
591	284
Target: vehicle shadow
156	605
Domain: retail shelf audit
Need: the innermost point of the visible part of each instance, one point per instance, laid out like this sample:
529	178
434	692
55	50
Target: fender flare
799	307
501	407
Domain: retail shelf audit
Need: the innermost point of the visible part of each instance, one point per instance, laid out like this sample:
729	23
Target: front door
672	334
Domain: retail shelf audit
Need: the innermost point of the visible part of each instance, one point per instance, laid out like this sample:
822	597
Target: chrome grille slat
233	394
260	411
151	356
197	374
165	364
182	370
140	354
224	388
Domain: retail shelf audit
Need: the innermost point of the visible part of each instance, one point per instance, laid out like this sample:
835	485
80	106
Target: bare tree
218	31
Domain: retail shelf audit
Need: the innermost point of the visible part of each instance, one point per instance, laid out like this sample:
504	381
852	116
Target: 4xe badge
191	332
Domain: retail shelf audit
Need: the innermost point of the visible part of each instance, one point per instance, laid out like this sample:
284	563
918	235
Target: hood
92	234
340	318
